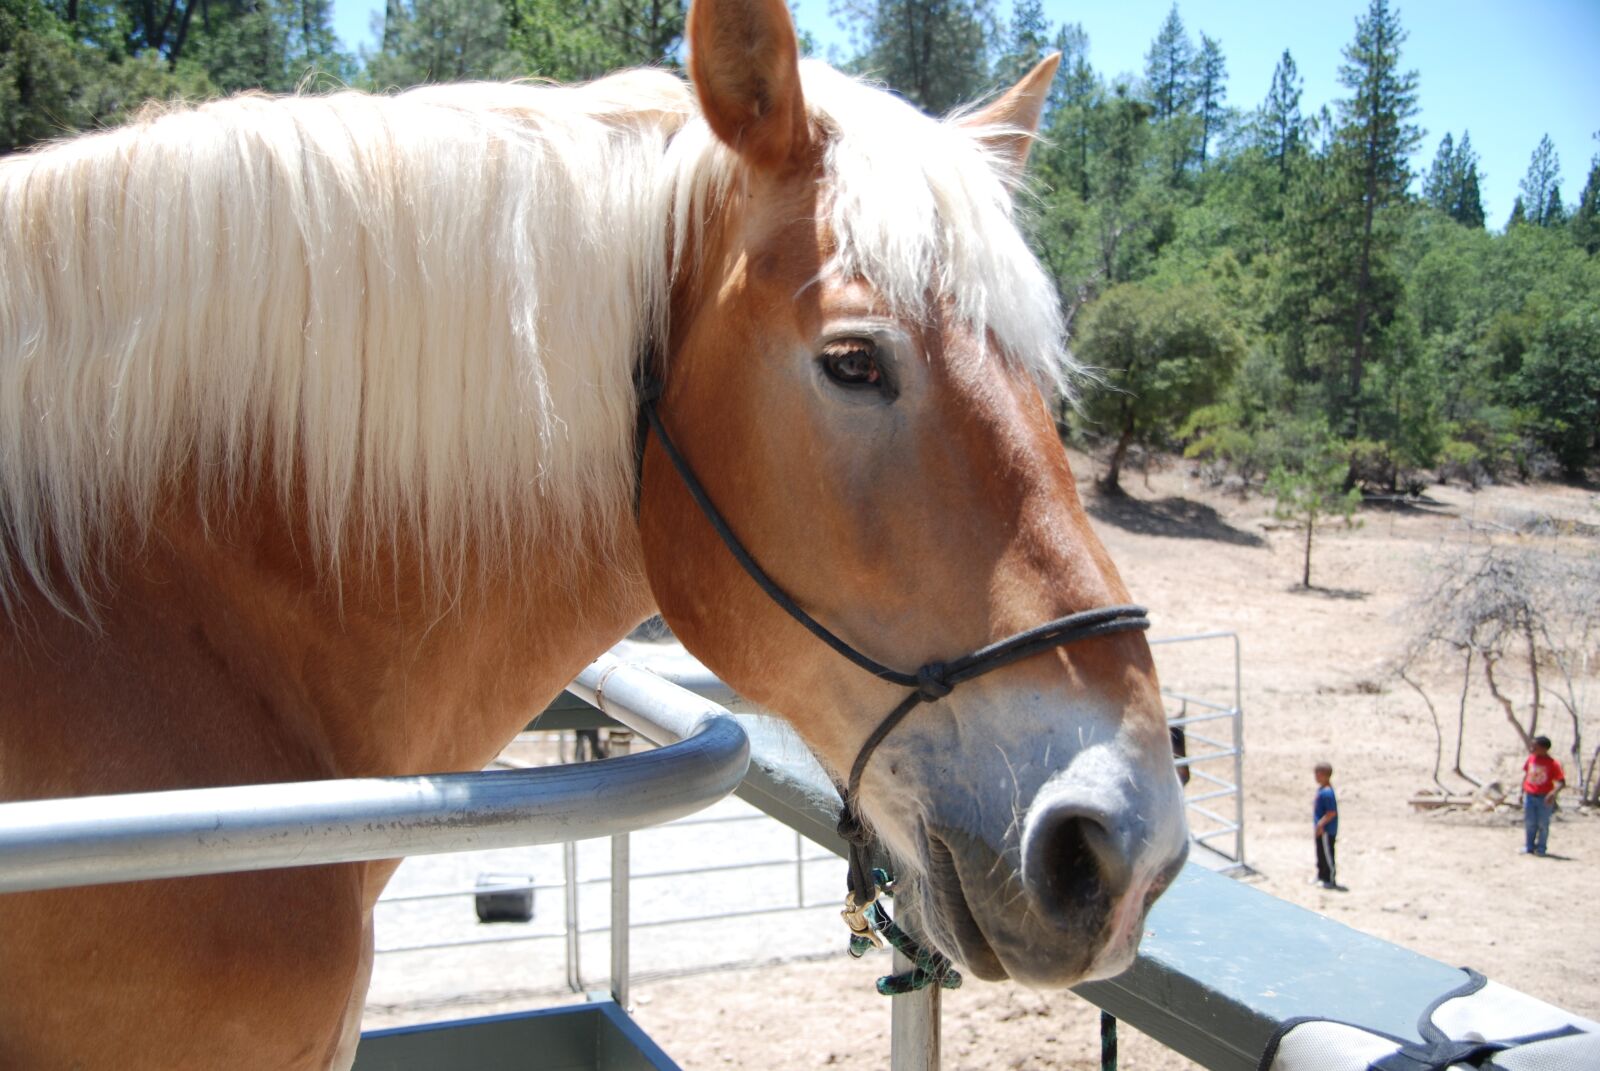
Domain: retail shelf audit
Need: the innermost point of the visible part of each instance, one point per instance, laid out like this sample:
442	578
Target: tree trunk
1438	731
392	14
1505	704
1311	527
1461	719
1570	701
183	35
1358	357
1533	673
1112	484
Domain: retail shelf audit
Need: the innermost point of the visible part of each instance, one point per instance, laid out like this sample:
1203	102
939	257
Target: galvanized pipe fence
1222	965
1216	760
1229	751
703	755
91	840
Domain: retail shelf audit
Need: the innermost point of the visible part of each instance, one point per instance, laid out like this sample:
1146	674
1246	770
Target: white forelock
417	313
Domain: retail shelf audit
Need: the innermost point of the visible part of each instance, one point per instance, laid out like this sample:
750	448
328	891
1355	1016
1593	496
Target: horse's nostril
1073	865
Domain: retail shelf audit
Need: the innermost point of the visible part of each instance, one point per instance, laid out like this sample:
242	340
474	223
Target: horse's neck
404	675
228	642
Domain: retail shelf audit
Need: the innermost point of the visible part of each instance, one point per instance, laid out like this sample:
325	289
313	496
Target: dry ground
1317	684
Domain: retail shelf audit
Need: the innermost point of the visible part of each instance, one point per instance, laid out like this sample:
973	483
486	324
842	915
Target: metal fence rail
59	843
1213	750
1222	965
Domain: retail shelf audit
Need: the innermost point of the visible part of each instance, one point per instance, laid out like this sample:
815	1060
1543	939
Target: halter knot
851	829
649	387
931	684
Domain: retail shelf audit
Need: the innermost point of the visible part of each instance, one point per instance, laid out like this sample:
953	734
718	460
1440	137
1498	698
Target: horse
321	456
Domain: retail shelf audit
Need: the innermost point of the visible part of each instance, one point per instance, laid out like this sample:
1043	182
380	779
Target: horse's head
859	337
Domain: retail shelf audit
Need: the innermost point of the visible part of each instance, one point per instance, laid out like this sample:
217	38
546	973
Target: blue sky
1508	72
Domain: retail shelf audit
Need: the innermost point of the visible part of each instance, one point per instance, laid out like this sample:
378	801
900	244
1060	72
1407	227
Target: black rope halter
930	683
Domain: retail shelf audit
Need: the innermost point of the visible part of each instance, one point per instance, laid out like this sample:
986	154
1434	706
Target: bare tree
1520	613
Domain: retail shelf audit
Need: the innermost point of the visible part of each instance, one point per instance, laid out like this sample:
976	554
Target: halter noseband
930	683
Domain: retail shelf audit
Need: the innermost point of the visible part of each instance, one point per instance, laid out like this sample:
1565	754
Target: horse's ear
1014	116
744	60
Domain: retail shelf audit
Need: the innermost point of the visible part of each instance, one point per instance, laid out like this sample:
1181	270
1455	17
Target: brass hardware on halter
855	917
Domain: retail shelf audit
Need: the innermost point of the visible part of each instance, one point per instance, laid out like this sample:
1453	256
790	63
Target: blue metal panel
585	1037
1223	964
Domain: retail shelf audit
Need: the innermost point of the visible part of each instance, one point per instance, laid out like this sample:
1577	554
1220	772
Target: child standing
1542	779
1325	812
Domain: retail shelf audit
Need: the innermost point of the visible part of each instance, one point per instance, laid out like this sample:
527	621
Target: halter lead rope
865	916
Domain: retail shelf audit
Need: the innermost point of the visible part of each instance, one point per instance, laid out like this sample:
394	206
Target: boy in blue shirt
1325	812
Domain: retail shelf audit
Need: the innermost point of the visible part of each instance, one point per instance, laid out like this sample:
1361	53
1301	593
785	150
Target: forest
1269	290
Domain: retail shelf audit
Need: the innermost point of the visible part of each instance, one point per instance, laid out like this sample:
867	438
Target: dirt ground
1318	684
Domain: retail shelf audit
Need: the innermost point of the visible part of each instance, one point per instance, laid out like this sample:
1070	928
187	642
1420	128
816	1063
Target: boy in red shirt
1542	780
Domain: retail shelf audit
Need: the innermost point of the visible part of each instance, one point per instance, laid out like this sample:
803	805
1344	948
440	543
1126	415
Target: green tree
1373	145
1541	186
1585	222
1451	185
1560	379
1210	89
1279	124
1310	486
1170	83
1070	113
577	41
1122	139
53	82
935	53
1555	212
442	41
1438	185
1169	69
1519	213
1164	352
1026	42
1466	202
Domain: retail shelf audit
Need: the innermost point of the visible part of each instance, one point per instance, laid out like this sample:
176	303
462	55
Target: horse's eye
852	362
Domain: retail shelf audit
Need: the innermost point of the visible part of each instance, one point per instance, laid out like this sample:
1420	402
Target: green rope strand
928	967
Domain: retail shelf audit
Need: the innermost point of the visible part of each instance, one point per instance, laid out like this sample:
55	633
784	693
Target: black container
511	900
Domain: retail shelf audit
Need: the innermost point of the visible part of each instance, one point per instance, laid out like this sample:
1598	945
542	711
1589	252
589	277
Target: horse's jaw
1039	862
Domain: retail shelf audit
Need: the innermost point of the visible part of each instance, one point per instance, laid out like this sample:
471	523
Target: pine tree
1122	138
1519	213
1586	217
241	44
1452	183
1169	87
1439	185
1026	42
66	68
443	41
1280	125
572	42
1169	69
1541	181
935	53
1211	88
1374	142
1466	203
1070	110
1555	212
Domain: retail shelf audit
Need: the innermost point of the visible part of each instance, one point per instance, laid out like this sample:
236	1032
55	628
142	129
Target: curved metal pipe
59	843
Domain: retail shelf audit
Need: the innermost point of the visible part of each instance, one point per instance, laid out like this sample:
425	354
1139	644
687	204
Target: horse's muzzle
1061	896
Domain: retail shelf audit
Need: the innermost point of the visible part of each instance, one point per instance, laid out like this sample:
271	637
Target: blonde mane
422	312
